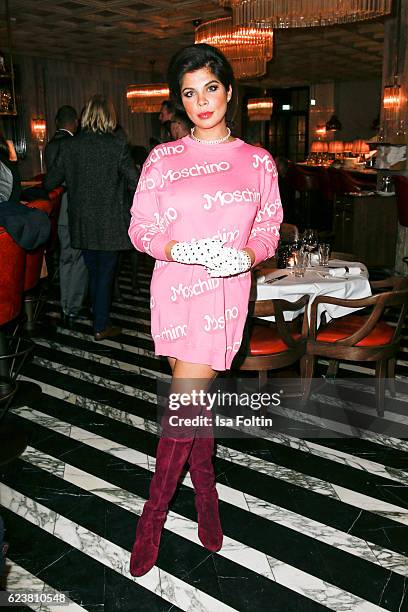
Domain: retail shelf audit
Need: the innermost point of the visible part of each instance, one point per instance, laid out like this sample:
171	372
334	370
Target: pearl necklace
211	142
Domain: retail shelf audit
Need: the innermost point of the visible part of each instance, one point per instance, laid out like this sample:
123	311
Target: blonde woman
97	167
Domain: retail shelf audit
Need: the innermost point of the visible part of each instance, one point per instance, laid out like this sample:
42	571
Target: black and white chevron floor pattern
310	524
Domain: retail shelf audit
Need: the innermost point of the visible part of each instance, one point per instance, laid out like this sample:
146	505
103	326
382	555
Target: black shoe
70	319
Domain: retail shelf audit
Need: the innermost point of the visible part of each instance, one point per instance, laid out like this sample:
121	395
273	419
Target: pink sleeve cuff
260	250
157	245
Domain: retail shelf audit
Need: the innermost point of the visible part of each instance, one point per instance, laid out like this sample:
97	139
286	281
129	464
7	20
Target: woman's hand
204	252
230	262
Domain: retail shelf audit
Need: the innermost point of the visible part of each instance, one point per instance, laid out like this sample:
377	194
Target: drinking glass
309	240
301	258
324	254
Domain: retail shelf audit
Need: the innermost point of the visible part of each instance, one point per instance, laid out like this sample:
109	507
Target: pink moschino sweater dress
187	191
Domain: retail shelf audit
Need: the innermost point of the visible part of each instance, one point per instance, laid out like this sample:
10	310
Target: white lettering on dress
168	217
196	170
172	332
270	229
189	291
162	151
266	161
215	323
270	209
228	197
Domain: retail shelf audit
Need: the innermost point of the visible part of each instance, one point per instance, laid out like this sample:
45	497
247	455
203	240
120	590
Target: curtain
47	84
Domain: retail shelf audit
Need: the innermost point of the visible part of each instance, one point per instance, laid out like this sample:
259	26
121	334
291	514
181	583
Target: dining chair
360	337
273	345
33	296
13	348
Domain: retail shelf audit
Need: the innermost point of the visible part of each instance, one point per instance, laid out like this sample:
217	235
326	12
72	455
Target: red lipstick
205	115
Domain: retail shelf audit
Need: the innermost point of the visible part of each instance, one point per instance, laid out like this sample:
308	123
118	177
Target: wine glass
309	242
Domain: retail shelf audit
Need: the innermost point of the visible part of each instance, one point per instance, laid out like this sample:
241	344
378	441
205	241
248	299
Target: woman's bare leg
172	362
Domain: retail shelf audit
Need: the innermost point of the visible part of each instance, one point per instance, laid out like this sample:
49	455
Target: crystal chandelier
147	98
259	109
247	48
304	13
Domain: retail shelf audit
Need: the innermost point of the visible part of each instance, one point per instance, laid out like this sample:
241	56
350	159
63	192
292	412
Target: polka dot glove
203	252
229	262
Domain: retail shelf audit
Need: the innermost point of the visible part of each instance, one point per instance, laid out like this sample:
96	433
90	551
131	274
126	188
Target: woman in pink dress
207	208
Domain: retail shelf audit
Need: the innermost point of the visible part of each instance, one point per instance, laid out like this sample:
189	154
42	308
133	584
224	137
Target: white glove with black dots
203	252
230	262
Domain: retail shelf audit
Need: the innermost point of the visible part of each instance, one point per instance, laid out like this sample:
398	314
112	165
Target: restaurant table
359	169
315	282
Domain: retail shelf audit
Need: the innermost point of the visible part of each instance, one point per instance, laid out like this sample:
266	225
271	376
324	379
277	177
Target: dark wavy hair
193	58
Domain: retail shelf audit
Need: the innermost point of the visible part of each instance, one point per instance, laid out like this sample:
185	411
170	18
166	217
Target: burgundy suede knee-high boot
171	456
206	501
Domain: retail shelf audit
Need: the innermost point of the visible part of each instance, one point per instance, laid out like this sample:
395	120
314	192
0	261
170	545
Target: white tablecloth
315	283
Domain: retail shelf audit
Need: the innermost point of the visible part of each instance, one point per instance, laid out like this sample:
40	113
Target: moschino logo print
161	264
234	347
265	162
163	151
216	323
146	183
269	229
269	210
196	170
172	332
168	217
220	198
226	235
189	291
162	222
151	231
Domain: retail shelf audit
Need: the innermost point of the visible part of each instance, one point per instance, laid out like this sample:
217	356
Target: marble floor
311	522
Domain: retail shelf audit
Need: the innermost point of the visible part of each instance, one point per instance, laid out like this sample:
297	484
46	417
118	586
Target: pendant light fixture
304	13
248	49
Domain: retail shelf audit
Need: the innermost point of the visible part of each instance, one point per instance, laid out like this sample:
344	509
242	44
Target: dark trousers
101	267
73	274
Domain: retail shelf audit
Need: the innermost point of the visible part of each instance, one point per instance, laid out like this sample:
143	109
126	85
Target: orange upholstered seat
267	341
341	328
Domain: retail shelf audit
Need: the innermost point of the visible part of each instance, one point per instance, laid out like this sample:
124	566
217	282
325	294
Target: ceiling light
248	49
301	13
147	98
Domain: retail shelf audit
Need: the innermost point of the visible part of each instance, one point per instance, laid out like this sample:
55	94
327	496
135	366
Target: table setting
311	271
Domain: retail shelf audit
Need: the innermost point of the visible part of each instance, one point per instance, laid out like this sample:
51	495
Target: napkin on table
274	274
349	270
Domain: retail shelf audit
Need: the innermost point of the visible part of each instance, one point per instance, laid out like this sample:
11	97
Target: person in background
167	111
10	182
72	269
96	167
139	155
180	125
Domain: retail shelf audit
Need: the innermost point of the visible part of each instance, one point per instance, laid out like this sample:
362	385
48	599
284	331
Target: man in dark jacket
72	269
97	168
